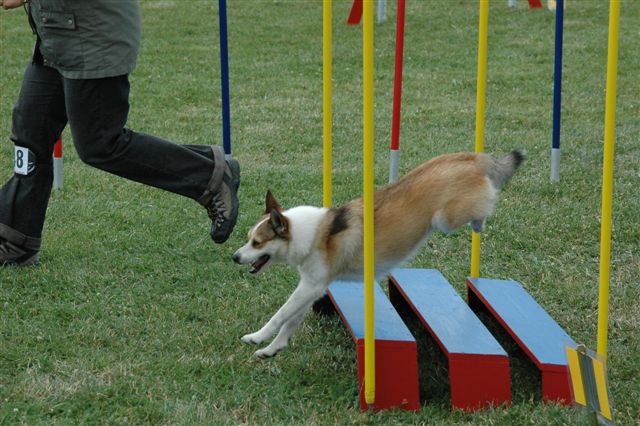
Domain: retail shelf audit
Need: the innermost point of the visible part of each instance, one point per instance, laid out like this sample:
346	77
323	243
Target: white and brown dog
326	244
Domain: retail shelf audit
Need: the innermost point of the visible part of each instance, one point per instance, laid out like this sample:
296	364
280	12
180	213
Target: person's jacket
86	39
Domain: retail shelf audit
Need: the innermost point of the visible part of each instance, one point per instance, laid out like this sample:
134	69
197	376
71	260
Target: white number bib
24	161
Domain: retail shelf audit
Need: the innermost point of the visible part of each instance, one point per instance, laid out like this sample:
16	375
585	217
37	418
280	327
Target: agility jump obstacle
396	366
478	365
465	341
532	328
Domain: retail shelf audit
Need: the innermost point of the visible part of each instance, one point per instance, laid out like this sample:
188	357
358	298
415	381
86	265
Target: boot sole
235	183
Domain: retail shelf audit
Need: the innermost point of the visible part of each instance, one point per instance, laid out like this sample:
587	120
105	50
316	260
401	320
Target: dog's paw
265	353
250	339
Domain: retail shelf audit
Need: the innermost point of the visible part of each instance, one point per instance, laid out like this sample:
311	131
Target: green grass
133	316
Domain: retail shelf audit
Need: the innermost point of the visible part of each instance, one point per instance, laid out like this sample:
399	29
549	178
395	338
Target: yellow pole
326	102
607	178
480	106
368	160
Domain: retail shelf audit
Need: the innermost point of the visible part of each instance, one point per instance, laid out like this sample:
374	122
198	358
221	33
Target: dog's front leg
299	301
282	339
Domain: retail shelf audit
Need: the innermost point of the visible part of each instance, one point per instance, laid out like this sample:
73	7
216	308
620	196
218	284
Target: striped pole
607	178
394	153
381	11
480	107
326	103
224	79
557	94
368	160
58	165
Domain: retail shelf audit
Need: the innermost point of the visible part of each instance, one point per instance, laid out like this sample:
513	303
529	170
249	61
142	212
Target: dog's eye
255	243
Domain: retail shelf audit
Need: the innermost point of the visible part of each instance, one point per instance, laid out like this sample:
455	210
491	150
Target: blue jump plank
525	319
348	297
452	323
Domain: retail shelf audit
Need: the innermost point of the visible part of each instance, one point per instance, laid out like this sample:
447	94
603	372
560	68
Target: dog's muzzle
256	265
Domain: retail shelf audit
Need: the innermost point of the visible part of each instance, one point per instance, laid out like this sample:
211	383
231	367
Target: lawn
134	316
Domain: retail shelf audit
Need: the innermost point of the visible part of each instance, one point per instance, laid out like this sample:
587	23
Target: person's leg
98	110
38	120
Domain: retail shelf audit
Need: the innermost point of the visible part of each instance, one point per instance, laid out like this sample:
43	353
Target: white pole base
381	11
58	173
394	163
555	164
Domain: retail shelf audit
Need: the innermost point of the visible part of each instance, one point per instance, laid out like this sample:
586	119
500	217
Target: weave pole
483	27
607	178
381	11
368	173
327	194
224	79
394	153
557	94
58	165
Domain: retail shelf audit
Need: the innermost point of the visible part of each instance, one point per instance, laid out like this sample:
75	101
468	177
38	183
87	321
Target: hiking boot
14	255
221	196
16	249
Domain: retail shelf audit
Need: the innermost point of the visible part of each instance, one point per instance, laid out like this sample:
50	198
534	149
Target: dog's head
268	239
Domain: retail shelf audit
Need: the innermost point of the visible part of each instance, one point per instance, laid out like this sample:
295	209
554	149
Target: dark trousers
96	111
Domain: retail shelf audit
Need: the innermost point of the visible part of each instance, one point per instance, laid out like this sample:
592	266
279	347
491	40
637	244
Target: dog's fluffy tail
500	171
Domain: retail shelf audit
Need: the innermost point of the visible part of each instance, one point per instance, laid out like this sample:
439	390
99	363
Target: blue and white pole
557	94
224	78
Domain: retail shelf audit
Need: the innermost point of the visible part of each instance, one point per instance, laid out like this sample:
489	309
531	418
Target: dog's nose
236	257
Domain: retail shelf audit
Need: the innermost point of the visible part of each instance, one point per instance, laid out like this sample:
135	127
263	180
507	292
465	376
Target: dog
326	244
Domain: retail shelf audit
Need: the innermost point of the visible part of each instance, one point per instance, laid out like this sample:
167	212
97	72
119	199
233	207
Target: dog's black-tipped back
502	170
340	222
518	156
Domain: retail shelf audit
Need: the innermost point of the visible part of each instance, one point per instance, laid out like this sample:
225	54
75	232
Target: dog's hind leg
282	339
299	301
478	225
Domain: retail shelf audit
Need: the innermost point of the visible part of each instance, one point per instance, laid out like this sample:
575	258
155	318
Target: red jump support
478	365
396	375
535	4
396	351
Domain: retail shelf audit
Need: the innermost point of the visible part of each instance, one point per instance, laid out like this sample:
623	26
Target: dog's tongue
258	264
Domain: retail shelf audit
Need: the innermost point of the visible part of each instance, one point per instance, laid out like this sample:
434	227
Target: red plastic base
396	375
556	384
535	4
479	381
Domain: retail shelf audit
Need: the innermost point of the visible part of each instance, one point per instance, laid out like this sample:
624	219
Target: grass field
134	316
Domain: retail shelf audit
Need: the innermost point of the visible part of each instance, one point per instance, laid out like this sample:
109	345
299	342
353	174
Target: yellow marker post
589	382
607	177
368	165
483	27
326	103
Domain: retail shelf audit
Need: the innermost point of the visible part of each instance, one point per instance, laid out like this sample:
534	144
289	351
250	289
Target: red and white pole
394	153
58	173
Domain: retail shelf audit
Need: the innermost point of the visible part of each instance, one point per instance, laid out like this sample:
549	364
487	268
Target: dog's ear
279	223
271	203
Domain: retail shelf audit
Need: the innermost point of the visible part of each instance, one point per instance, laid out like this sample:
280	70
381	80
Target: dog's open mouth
258	264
